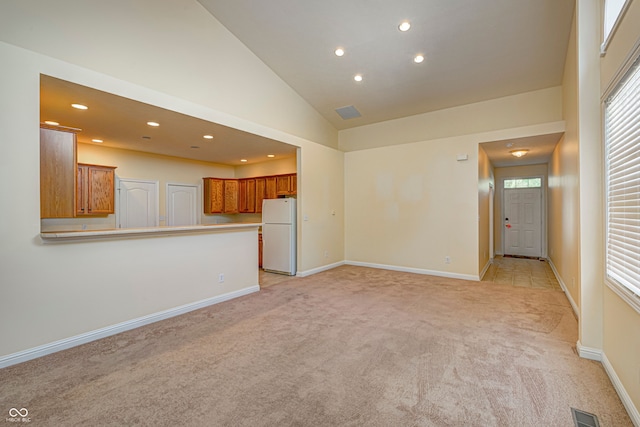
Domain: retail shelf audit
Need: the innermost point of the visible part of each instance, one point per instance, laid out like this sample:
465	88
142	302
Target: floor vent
584	419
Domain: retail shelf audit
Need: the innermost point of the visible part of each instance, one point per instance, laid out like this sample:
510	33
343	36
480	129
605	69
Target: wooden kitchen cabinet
247	195
271	189
220	195
231	196
57	173
286	185
259	250
95	193
213	195
261	189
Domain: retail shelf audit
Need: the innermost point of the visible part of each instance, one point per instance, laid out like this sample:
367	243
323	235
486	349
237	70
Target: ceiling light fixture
154	124
271	156
80	106
208	137
418	59
339	51
404	26
97	141
51	123
243	160
357	77
519	152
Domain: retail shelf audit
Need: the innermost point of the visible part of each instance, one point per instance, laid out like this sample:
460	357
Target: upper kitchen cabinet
57	173
261	189
247	194
220	195
213	195
231	199
286	185
271	188
95	190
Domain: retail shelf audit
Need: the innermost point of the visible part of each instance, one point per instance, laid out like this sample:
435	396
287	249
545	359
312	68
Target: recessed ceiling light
418	59
97	141
243	160
154	124
404	26
519	152
357	77
271	156
208	137
80	106
339	51
51	123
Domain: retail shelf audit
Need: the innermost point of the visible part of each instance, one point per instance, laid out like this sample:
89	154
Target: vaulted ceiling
474	50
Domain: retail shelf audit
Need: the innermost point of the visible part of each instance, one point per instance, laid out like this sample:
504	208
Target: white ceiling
475	50
540	149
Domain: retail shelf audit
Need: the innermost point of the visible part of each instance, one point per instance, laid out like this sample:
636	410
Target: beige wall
515	172
485	183
201	71
537	107
563	196
621	323
274	167
410	206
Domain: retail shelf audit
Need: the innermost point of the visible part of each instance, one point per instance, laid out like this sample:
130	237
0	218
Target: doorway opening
523	218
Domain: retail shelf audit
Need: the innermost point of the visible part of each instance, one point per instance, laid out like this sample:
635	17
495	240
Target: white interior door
182	204
523	221
137	203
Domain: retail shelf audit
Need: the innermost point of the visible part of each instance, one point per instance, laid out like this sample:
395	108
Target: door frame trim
543	213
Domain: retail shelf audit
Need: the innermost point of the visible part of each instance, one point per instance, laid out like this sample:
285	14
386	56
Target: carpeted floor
352	346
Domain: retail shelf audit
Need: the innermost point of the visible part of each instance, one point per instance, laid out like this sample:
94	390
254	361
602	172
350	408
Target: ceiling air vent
348	112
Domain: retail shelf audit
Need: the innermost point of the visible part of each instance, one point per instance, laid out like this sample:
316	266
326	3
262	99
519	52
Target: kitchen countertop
66	236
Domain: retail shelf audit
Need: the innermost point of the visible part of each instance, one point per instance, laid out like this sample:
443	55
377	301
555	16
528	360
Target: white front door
523	221
182	204
137	203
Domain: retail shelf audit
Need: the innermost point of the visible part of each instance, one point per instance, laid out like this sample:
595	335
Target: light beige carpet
348	347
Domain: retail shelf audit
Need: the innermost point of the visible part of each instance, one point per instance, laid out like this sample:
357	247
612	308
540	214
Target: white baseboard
588	352
564	288
415	270
43	350
319	269
486	267
622	392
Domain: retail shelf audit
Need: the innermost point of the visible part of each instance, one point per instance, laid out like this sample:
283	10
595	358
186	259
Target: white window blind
622	142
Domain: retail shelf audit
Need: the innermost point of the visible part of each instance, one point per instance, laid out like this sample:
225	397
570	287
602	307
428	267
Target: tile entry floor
524	272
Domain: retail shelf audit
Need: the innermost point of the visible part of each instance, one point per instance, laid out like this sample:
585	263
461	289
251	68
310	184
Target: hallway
522	272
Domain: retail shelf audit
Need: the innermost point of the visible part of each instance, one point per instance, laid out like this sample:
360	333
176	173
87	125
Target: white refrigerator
279	236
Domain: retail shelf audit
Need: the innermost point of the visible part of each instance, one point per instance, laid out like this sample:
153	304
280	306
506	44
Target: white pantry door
523	221
137	203
182	204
